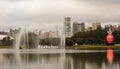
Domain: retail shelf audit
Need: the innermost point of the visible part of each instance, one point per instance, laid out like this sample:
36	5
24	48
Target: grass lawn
94	47
6	47
82	47
10	47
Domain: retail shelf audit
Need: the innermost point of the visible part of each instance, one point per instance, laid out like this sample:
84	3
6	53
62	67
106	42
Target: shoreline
94	47
82	47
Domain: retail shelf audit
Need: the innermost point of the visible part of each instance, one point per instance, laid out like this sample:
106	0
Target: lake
59	59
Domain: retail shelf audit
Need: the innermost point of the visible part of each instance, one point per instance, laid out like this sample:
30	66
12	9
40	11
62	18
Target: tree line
92	37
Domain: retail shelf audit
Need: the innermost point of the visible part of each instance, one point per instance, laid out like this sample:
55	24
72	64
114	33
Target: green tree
90	37
7	41
32	39
69	42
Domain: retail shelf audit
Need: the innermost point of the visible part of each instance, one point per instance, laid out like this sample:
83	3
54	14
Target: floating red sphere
110	38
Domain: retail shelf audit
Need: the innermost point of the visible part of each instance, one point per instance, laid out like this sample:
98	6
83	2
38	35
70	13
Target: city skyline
6	29
33	13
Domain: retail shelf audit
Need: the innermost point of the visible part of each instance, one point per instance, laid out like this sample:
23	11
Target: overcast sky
32	13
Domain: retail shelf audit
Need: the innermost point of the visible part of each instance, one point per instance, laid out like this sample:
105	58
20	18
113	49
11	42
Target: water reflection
110	55
109	59
98	60
31	61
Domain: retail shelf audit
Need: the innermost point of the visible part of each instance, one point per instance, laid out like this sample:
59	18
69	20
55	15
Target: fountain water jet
21	39
40	38
18	39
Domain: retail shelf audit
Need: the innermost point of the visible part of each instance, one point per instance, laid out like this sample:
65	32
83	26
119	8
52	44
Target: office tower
78	27
112	27
118	27
95	25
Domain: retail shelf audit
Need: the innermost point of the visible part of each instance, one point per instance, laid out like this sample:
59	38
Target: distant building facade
67	27
78	27
88	29
115	28
95	25
118	27
112	27
53	35
107	27
14	32
50	34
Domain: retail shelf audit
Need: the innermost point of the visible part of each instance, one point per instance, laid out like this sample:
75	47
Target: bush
69	42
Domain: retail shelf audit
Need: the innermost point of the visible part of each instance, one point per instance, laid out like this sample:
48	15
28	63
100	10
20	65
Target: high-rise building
107	27
118	27
115	28
95	25
67	27
78	27
88	29
112	27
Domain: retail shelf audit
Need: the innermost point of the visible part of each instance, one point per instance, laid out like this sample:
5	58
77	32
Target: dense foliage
97	36
50	41
7	41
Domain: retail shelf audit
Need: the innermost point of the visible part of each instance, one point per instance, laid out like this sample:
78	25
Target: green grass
94	47
10	47
6	47
82	47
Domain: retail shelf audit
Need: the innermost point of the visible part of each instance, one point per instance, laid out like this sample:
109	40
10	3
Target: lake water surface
59	59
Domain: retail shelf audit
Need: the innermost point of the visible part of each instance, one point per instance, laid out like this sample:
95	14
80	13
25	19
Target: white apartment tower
67	27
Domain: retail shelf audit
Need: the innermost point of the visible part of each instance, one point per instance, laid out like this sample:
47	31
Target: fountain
40	38
39	48
18	39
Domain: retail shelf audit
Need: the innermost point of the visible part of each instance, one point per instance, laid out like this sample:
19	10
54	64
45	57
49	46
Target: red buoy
110	38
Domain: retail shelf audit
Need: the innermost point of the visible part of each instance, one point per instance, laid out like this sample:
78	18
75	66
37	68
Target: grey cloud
101	2
29	12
